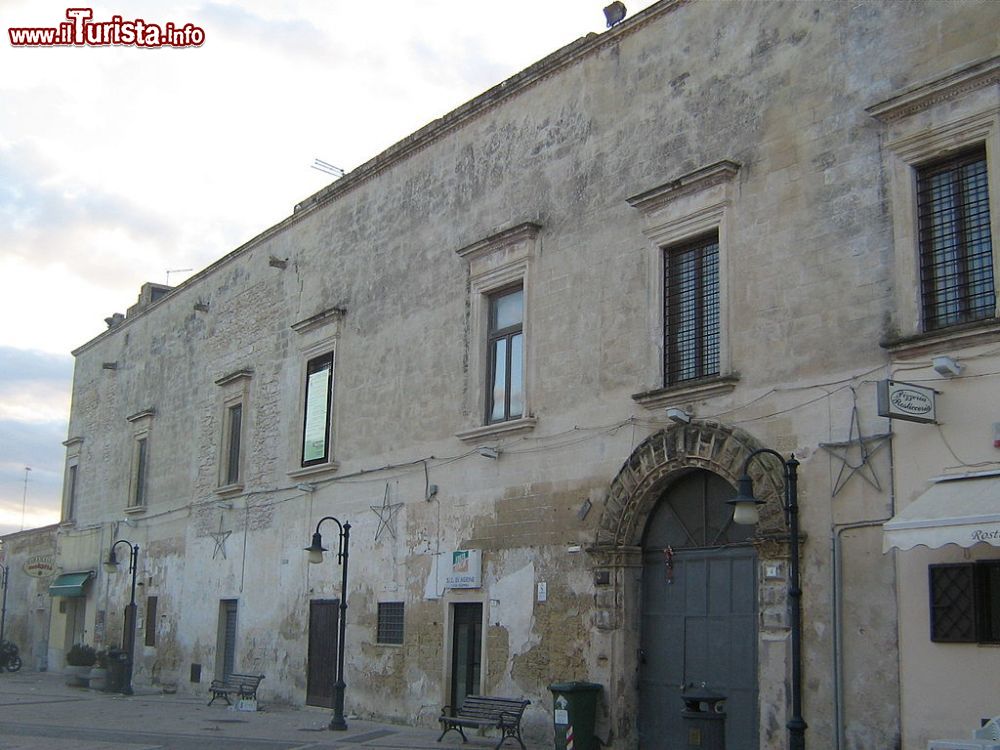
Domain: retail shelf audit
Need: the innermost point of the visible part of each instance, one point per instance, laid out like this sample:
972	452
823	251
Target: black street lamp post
745	511
111	565
316	550
4	577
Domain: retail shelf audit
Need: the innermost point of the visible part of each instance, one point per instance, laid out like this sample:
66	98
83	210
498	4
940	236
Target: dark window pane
390	623
505	386
316	427
233	457
691	310
952	601
71	493
516	376
499	380
139	491
956	252
990	601
150	621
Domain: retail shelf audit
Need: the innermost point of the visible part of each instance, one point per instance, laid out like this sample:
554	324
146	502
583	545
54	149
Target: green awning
70	584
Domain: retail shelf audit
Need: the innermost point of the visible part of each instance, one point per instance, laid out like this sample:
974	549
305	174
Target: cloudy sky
119	164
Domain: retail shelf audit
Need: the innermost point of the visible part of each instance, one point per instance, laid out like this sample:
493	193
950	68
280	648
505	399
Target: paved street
38	712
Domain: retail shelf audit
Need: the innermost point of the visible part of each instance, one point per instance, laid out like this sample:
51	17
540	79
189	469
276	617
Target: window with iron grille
956	250
691	310
965	602
505	389
390	623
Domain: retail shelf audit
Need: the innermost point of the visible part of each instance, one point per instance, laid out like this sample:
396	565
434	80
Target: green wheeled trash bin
115	681
575	714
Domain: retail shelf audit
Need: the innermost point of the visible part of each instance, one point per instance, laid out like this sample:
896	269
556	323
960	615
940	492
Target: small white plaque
562	716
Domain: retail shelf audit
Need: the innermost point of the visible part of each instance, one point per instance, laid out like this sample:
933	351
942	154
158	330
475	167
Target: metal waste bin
704	718
117	659
574	714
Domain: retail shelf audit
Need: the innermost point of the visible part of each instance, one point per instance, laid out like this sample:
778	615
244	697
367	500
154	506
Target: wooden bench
240	685
485	711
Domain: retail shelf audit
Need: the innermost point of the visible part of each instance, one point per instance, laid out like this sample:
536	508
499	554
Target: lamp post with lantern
316	550
746	511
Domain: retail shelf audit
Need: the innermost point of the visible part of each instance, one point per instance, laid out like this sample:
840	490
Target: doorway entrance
699	613
466	651
225	663
321	674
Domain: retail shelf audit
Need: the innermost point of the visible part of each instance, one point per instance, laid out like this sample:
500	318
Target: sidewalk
38	712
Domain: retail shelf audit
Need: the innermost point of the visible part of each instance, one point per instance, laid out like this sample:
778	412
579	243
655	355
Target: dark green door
699	614
466	651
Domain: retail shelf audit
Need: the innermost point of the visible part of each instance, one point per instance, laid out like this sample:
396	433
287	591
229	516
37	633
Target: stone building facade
27	567
526	353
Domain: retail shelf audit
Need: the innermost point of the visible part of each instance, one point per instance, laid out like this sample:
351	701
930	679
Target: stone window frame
137	500
683	210
319	335
502	261
924	124
234	390
71	482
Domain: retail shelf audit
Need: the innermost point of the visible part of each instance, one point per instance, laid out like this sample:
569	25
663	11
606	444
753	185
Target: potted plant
98	676
79	659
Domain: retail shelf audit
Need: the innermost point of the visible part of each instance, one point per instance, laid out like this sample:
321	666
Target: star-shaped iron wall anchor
862	449
386	516
220	538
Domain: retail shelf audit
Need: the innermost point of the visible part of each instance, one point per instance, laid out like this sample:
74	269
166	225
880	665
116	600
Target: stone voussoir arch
663	456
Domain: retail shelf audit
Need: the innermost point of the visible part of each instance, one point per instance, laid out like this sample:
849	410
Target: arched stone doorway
645	479
699	613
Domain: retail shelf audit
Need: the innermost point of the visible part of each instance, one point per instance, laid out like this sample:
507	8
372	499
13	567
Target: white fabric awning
955	511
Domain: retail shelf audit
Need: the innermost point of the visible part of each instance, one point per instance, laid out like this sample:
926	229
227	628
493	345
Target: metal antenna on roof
176	270
327	168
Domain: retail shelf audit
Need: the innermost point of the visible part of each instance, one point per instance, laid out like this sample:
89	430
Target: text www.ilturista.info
81	31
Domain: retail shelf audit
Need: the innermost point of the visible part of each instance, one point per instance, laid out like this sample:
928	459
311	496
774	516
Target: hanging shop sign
913	403
40	566
466	570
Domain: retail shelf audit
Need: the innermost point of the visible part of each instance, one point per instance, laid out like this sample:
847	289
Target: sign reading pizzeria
913	403
40	566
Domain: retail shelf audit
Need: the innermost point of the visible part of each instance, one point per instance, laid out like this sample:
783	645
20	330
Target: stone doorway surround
616	558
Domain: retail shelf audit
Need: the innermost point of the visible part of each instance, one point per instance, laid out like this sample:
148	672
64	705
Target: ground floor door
225	663
321	674
466	651
75	609
699	615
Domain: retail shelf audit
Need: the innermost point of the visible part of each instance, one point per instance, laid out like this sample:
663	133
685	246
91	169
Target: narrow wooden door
321	674
227	638
466	651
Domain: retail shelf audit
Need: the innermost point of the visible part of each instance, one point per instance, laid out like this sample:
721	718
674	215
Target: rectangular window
70	493
150	621
506	347
691	310
965	602
956	250
234	427
140	459
390	623
318	403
